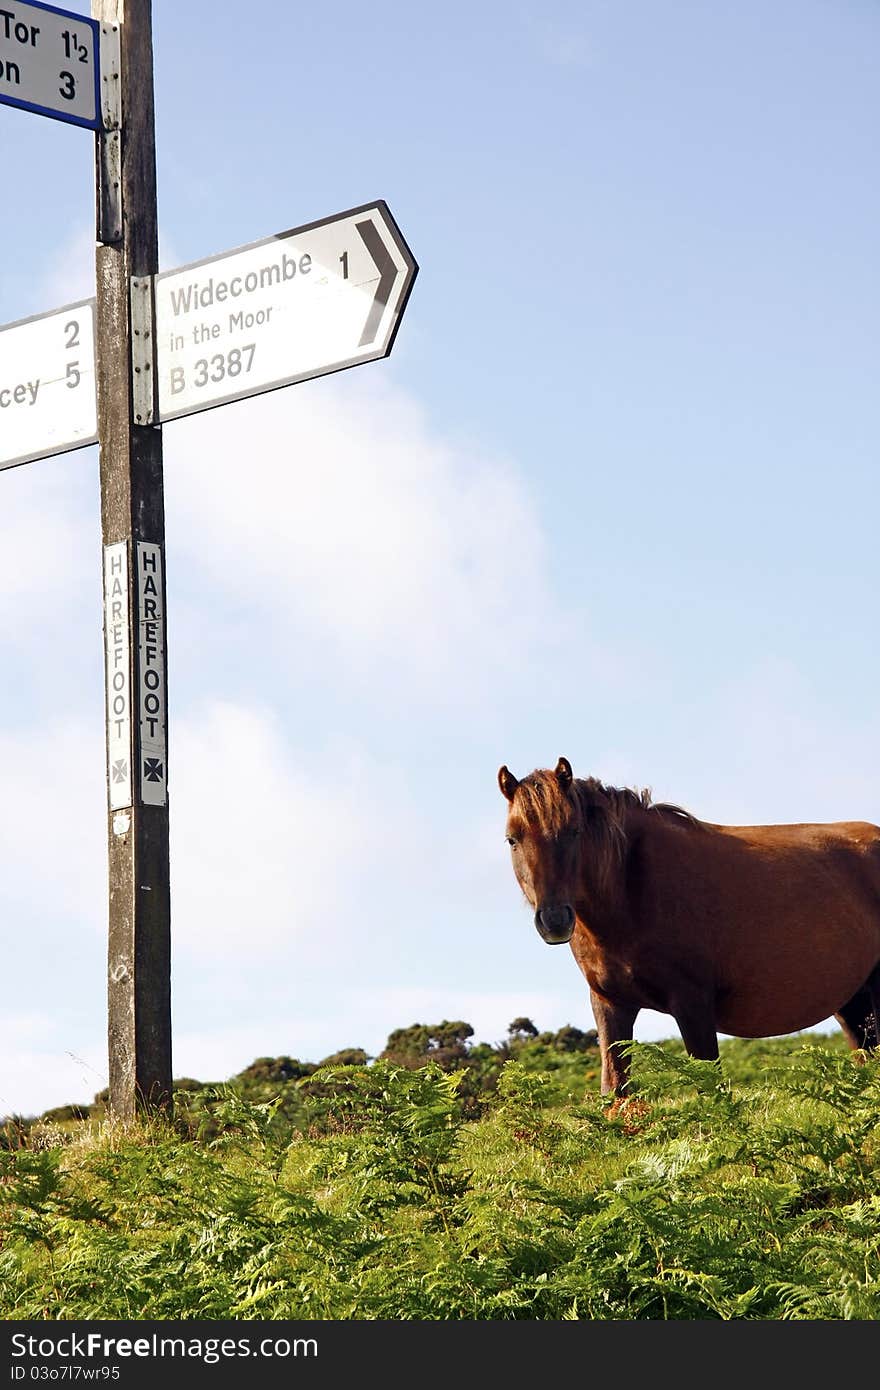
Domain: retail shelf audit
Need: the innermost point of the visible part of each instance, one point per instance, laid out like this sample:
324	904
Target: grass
750	1194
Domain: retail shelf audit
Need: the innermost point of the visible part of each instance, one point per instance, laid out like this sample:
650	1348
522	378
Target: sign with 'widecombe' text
303	303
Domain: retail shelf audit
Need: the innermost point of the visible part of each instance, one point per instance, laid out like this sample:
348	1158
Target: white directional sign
49	62
300	304
47	384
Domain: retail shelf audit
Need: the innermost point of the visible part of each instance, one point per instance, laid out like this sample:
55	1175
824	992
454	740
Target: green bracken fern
746	1192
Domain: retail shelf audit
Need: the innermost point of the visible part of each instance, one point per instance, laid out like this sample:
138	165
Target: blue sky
612	496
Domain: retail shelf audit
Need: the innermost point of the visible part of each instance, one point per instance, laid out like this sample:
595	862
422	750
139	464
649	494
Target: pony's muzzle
555	924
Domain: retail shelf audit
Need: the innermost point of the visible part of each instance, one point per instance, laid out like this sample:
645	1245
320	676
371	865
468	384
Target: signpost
133	535
147	349
47	384
49	62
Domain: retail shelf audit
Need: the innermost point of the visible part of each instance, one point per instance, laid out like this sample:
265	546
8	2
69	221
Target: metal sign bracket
143	351
109	161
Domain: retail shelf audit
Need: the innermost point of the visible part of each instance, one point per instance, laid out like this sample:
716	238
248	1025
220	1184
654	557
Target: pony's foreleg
613	1025
859	1017
696	1023
873	987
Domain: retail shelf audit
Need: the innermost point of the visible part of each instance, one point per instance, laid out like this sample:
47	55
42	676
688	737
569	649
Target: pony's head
545	828
569	839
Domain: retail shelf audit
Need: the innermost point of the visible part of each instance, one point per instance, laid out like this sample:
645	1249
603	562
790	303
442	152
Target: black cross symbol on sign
152	769
120	770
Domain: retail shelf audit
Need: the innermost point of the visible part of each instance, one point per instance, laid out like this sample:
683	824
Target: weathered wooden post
133	533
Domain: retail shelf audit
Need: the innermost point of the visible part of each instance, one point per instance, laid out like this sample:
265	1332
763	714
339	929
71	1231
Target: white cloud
292	880
72	274
775	751
43	545
359	536
45	1062
561	42
263	854
71	277
360	1019
770	746
489	1014
214	1055
316	881
366	1020
793	757
52	824
566	48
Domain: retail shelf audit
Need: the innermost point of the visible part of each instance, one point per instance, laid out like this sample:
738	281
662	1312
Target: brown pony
751	930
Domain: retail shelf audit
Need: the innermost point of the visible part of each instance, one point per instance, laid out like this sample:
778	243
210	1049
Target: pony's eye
511	839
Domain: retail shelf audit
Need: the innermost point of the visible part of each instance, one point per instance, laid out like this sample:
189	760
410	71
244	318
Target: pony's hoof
631	1113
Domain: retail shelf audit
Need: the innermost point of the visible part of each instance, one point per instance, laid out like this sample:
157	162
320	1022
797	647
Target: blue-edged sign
49	62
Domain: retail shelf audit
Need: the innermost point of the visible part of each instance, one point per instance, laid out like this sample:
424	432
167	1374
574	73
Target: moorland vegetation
447	1179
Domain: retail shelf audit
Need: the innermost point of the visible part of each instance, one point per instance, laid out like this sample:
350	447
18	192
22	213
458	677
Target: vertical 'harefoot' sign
47	384
306	302
117	667
150	778
151	675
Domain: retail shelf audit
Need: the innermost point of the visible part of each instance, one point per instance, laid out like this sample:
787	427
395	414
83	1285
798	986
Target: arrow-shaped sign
306	302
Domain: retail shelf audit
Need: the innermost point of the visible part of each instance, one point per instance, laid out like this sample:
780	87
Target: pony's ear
564	772
507	782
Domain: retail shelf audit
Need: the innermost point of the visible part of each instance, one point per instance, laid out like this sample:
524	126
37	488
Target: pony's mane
546	804
622	799
599	811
